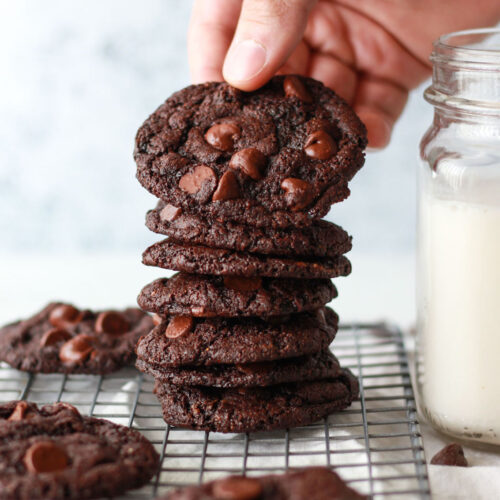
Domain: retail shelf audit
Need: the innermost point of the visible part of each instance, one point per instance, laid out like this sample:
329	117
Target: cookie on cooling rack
207	296
54	452
320	239
170	254
254	409
187	341
314	483
63	339
278	156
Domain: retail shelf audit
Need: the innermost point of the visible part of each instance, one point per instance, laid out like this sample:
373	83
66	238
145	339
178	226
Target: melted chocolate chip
320	145
228	188
156	319
237	488
65	315
242	284
179	325
294	87
250	161
45	456
192	182
222	135
299	193
21	412
453	454
170	213
111	322
76	350
53	336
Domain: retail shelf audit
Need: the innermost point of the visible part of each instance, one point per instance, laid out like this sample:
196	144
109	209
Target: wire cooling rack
375	445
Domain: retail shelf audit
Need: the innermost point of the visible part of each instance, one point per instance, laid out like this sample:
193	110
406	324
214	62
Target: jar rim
474	47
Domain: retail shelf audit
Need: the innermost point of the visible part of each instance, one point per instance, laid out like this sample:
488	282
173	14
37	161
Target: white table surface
371	293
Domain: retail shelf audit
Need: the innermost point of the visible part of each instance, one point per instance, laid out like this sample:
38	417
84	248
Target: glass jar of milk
458	272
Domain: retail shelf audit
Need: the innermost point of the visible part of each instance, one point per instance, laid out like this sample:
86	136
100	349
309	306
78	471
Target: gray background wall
79	77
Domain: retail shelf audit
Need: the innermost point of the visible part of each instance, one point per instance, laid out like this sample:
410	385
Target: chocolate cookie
62	338
278	156
313	483
205	295
204	260
54	452
186	341
320	239
257	408
317	366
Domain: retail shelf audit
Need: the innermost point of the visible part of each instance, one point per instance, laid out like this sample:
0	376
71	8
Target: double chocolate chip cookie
54	452
314	483
62	338
231	296
275	157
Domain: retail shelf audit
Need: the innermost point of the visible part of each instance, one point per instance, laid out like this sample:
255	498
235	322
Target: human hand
371	52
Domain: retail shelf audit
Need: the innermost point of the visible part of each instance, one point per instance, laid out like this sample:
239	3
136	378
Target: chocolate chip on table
77	350
112	323
21	411
222	135
453	454
237	488
299	193
192	182
179	325
320	145
170	213
228	188
295	87
45	456
53	336
250	161
65	315
242	284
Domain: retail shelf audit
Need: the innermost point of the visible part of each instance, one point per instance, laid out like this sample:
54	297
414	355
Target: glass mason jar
458	271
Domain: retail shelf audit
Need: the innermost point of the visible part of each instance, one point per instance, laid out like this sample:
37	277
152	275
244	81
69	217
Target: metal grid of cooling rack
375	445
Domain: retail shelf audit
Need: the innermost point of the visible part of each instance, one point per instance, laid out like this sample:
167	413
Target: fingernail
244	60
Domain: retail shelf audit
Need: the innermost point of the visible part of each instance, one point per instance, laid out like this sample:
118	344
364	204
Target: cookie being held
275	157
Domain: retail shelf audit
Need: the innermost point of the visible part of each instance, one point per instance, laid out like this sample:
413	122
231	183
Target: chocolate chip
228	188
242	284
253	368
250	161
237	488
21	412
201	311
111	322
169	213
156	319
179	325
192	182
299	193
64	316
453	454
53	336
222	135
294	87
76	350
320	314
61	405
320	145
45	456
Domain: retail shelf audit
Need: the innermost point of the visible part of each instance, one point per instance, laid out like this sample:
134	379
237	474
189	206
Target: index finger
211	29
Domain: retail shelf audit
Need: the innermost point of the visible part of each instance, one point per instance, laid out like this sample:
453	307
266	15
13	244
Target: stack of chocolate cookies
243	334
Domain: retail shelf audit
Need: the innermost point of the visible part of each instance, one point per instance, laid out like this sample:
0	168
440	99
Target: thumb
267	33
